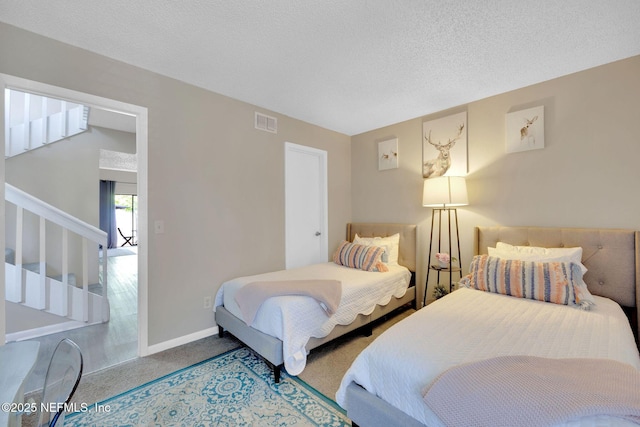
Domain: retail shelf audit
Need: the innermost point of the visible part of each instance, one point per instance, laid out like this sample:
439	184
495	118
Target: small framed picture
388	154
525	130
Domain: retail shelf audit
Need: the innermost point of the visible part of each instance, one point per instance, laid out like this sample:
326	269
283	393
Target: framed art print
444	146
525	130
388	154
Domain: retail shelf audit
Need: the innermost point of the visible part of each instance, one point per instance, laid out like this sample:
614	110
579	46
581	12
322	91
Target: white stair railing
32	121
35	289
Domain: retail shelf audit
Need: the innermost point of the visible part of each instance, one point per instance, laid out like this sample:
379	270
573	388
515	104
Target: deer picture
440	165
386	156
524	131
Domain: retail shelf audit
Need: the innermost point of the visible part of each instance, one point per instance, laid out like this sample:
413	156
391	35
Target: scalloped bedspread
294	319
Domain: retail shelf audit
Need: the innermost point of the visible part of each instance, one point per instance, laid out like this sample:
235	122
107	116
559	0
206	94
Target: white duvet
296	319
470	325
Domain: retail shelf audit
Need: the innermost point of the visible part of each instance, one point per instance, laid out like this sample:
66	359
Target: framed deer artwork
444	146
388	154
525	130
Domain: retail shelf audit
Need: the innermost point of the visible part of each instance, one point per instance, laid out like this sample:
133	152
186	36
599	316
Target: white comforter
295	319
471	325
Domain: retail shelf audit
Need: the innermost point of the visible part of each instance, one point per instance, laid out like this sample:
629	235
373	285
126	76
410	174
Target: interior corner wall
585	176
215	181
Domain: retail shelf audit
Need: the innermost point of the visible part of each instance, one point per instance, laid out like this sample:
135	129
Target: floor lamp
444	194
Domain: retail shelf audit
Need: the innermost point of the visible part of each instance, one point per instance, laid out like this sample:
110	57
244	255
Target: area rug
233	389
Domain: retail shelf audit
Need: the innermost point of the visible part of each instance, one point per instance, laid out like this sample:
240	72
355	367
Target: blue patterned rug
233	389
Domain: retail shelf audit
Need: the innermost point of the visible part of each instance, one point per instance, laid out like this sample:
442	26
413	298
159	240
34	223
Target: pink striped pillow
554	282
363	257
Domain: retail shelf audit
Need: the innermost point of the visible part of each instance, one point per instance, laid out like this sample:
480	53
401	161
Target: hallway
106	344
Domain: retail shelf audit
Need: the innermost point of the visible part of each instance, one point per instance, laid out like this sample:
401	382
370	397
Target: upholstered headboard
407	247
611	256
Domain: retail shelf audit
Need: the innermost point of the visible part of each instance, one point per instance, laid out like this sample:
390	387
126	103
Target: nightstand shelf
447	269
450	270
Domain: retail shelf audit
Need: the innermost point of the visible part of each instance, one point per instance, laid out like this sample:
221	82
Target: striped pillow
363	257
554	282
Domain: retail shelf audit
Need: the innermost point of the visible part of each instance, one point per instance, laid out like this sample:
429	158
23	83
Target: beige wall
215	181
586	176
65	174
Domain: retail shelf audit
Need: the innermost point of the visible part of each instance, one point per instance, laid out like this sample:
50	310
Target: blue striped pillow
554	282
368	258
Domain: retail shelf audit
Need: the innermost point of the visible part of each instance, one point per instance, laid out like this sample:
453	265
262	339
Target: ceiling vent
266	123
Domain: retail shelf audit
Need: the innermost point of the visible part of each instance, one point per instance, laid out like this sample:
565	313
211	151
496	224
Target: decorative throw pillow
363	257
554	282
538	254
390	243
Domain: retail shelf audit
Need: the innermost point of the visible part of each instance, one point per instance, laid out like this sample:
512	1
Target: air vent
266	123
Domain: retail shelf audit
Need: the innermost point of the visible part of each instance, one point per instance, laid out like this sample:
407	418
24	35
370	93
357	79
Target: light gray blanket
534	391
251	296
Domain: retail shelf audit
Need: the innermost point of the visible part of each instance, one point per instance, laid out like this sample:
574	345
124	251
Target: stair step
35	267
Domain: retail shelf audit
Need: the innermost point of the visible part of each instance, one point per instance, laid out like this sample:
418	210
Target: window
127	216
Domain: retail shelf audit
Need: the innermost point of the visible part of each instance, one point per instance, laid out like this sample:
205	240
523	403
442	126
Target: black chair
63	377
127	240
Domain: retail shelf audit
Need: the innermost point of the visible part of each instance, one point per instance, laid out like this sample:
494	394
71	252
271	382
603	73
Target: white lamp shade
445	191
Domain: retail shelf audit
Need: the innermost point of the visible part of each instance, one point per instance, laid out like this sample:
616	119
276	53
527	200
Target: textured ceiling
349	66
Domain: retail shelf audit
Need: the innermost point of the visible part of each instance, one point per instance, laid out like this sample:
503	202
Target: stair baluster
56	295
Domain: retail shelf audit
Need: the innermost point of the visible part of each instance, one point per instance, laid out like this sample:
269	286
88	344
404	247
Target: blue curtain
108	212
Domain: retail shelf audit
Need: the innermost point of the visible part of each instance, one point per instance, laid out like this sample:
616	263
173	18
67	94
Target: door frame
289	148
141	115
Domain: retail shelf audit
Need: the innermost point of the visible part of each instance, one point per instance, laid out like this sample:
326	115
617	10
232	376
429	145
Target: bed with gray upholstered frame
270	348
610	255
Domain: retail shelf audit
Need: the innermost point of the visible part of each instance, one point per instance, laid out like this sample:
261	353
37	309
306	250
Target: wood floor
106	344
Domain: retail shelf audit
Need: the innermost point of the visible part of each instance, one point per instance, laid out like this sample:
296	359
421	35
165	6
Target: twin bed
461	359
286	327
466	355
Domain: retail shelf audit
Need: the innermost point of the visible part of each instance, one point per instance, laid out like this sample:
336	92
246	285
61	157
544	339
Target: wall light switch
158	227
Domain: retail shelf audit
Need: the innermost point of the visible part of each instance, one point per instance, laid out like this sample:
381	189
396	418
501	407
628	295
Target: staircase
30	286
34	121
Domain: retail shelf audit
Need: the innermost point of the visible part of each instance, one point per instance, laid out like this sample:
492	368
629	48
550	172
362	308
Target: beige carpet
325	366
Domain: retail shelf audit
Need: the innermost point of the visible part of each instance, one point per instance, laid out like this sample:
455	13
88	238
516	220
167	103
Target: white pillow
538	254
391	245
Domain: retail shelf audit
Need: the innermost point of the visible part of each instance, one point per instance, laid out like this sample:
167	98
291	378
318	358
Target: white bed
285	328
385	384
294	319
398	365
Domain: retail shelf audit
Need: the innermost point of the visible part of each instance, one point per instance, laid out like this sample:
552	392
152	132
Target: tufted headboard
610	255
407	247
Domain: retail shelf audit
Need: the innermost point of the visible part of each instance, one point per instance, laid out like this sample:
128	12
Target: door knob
318	233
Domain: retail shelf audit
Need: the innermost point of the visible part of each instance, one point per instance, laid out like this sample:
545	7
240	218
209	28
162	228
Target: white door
305	205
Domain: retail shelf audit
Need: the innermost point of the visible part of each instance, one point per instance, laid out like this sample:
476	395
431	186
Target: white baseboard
45	330
186	339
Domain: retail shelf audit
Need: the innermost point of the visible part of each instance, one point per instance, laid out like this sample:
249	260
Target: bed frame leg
220	331
276	371
276	374
367	330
